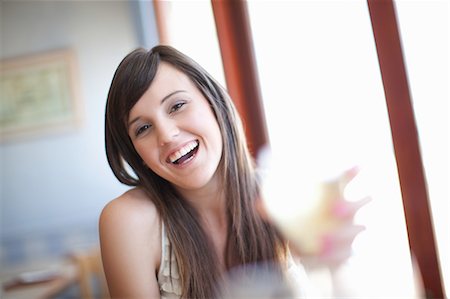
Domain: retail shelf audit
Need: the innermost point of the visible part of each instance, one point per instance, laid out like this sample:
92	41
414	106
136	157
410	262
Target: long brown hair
250	239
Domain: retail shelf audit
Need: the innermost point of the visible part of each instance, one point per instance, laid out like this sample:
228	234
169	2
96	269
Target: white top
168	276
170	284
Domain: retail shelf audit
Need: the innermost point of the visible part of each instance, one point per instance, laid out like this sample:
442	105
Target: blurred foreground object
307	203
305	198
256	281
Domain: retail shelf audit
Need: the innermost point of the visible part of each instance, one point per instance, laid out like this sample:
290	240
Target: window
324	101
425	48
189	27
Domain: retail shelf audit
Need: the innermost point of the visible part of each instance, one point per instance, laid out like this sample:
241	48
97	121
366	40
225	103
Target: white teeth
183	151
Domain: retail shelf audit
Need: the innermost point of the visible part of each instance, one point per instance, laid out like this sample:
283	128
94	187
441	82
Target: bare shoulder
130	239
131	217
134	205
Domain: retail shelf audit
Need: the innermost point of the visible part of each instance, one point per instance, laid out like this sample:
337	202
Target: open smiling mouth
184	154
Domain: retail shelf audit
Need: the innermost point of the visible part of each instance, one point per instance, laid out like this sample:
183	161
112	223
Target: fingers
340	238
336	247
348	176
336	258
344	209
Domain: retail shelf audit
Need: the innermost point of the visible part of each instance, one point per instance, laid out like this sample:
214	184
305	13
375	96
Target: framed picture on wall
39	94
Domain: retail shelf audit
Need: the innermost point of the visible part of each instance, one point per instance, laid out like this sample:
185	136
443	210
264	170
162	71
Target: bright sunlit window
191	29
326	111
426	51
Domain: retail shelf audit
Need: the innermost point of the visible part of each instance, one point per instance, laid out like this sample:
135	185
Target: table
61	275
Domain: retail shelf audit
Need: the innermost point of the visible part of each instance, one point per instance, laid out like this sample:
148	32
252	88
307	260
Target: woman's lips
184	153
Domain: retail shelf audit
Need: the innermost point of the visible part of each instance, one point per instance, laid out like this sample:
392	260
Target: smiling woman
193	214
170	120
185	154
179	132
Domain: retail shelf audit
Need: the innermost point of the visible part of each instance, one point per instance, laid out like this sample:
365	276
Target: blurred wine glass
304	197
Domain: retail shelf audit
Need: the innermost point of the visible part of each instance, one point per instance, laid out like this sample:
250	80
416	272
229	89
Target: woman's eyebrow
171	94
162	102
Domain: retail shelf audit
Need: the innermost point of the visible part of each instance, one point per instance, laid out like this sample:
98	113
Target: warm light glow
326	111
191	29
426	52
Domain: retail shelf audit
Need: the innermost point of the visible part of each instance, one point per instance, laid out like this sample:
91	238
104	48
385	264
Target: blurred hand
336	244
333	230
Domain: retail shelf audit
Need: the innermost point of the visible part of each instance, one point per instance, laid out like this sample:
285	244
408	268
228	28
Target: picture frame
39	94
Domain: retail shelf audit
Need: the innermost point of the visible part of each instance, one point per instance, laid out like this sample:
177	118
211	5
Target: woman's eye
142	129
177	107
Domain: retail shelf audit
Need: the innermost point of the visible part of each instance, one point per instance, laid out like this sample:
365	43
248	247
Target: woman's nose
167	131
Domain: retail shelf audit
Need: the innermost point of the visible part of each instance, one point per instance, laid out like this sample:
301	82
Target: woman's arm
130	239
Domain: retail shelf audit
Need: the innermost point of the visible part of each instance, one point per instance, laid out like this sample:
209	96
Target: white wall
54	186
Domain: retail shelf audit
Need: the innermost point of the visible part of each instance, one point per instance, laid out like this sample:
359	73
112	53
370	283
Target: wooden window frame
241	74
406	145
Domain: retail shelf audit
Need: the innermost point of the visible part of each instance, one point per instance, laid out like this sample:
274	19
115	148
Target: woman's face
175	132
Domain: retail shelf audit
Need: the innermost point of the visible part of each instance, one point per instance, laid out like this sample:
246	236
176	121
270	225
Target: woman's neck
210	204
209	201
